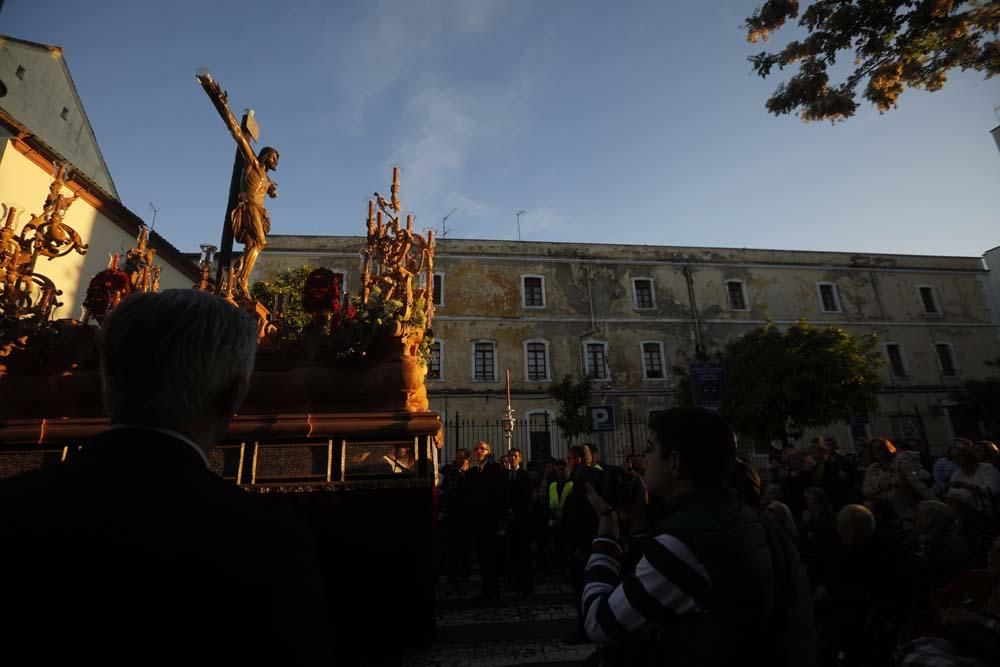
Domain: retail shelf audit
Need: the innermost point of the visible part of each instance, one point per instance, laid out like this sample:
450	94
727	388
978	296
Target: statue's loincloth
243	218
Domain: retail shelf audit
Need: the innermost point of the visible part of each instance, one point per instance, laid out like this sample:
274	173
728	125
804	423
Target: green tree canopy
289	282
981	399
896	44
779	381
574	398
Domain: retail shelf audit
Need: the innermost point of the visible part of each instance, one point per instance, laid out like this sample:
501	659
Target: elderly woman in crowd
877	485
980	481
910	485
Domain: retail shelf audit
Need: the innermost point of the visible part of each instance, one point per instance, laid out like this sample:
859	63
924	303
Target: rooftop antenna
444	220
152	225
519	214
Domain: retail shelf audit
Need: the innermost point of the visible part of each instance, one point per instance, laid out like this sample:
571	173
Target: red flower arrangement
106	289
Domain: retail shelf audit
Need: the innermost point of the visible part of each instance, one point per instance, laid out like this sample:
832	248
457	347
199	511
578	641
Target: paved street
517	630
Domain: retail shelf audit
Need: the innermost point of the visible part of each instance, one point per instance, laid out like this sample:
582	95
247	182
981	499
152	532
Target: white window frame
496	360
635	293
607	360
441	356
902	360
934	298
642	360
836	297
548	367
743	289
524	292
954	359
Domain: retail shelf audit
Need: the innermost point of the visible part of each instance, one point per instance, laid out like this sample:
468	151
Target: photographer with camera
715	581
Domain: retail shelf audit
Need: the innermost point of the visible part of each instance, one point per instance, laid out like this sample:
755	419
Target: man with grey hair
134	547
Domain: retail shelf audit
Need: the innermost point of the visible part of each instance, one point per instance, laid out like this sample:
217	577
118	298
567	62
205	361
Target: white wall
37	101
25	185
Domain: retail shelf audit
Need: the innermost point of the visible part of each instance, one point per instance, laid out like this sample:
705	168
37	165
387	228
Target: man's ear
232	397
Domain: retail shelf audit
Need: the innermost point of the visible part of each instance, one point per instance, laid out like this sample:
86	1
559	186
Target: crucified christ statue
249	219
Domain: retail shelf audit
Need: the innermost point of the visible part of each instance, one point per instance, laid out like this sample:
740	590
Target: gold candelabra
394	255
26	295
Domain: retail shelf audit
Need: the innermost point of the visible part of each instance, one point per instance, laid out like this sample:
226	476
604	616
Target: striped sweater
668	581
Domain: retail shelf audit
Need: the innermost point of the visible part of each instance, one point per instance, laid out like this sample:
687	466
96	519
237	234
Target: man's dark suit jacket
519	493
134	551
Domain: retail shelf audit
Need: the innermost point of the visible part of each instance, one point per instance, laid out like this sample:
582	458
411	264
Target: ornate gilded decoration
205	266
394	255
27	297
135	272
249	220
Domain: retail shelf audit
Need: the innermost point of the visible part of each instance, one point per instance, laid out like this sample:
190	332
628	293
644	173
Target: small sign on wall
602	418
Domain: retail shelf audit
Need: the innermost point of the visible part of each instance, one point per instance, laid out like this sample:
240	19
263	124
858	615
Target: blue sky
632	122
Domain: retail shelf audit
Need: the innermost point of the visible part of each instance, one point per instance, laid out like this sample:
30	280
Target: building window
642	290
896	365
595	360
829	299
65	114
438	289
434	367
946	357
652	361
536	361
533	291
484	361
19	73
736	293
929	300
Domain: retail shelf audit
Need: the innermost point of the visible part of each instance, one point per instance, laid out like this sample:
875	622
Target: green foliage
981	398
574	398
351	330
364	321
289	282
684	398
778	381
896	44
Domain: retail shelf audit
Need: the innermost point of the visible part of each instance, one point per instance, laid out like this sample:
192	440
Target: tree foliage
896	44
289	282
781	381
574	398
981	398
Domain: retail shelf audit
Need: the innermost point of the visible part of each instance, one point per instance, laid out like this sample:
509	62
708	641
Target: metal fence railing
540	437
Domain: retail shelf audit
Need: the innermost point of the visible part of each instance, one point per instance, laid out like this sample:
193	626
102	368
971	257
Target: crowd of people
899	551
686	555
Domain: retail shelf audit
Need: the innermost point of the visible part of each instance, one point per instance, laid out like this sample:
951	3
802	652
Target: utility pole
519	214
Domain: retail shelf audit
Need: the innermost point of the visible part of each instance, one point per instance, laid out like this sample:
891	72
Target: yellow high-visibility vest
557	501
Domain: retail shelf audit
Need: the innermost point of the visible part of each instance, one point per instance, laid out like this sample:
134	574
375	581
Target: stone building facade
631	313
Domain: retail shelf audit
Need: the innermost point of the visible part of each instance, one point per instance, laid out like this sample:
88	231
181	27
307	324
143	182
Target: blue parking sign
602	418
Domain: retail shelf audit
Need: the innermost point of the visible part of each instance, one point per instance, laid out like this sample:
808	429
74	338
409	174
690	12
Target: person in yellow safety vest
595	456
559	491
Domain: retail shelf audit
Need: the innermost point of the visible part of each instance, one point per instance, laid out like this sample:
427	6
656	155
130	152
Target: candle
409	223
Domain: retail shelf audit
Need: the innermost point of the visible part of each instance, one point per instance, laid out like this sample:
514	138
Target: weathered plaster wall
25	185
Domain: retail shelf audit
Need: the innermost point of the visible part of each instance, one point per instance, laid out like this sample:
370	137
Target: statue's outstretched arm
219	100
